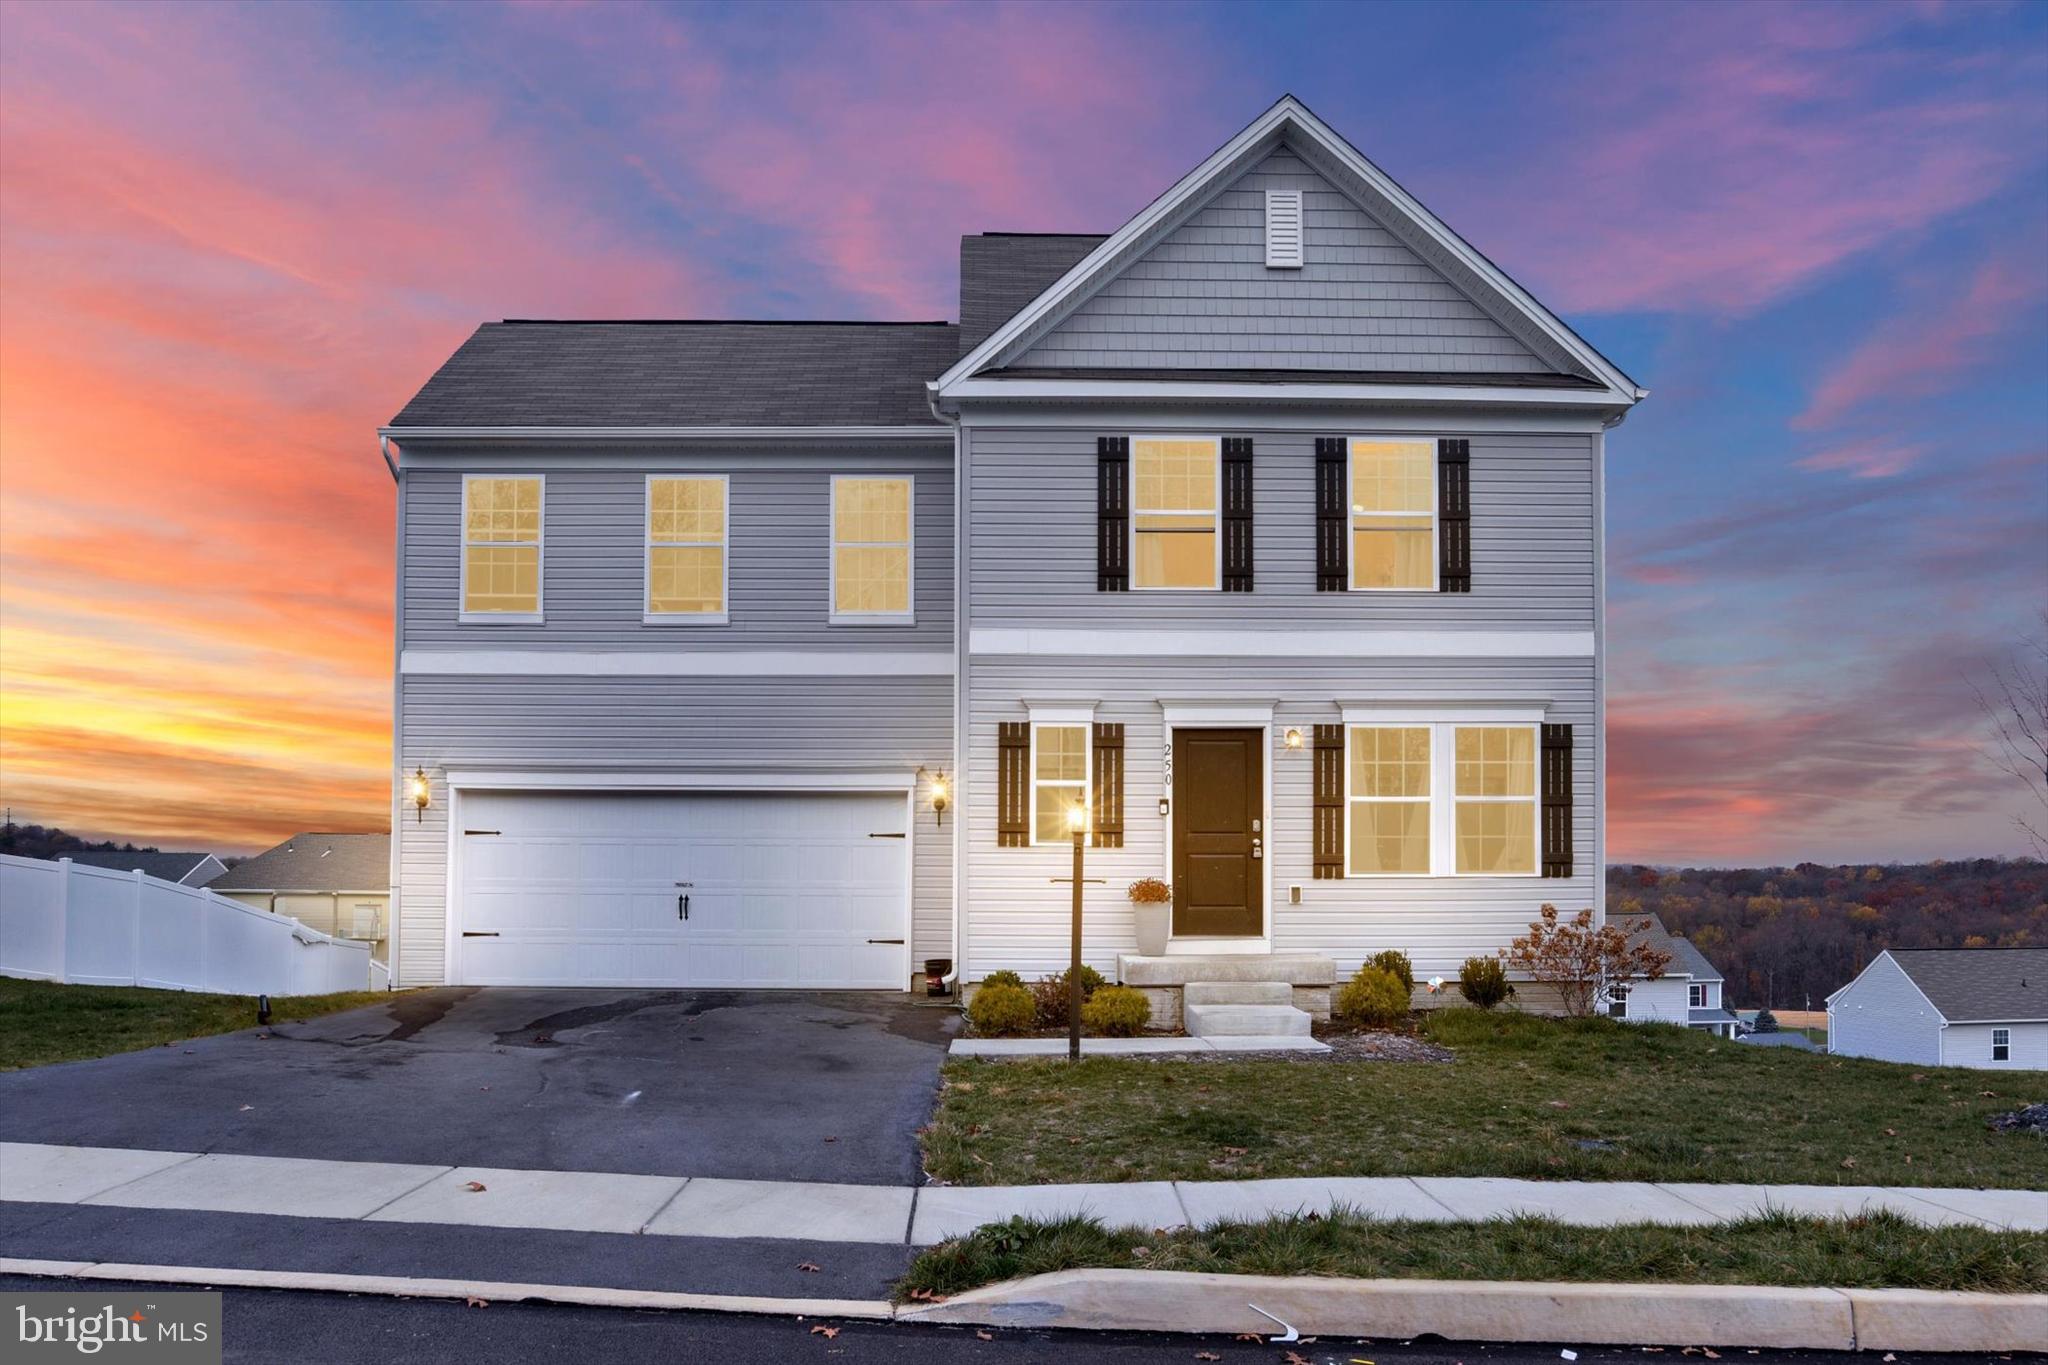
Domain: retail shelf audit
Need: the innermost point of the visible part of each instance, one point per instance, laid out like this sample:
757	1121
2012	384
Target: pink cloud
1867	459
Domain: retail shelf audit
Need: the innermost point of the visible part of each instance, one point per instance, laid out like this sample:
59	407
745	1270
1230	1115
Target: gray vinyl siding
594	561
1204	298
1032	508
1017	918
753	726
1970	1045
1882	1014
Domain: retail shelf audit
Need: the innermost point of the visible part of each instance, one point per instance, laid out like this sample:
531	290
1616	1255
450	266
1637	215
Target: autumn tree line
1789	936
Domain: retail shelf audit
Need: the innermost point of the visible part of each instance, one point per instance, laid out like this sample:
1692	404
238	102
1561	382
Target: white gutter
1307	391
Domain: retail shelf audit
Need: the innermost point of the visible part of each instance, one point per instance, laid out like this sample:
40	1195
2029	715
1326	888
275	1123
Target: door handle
1257	851
683	906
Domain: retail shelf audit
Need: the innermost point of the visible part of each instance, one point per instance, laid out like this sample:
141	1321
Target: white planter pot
1155	923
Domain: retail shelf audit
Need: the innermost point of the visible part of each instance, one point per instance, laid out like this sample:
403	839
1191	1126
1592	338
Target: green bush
1374	998
1051	995
1396	962
1000	1009
1116	1012
1003	978
1484	982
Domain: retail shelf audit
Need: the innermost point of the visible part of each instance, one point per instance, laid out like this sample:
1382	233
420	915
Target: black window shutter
1557	800
1237	514
1112	514
1013	783
1454	515
1333	559
1328	825
1108	786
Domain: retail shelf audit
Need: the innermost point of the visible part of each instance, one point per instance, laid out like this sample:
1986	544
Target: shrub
1051	995
1581	961
1374	998
1003	978
1766	1022
1395	962
1000	1009
1484	982
1116	1012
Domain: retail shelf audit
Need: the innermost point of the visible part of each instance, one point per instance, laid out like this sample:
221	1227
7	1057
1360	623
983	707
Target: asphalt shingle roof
687	374
315	862
1000	272
1686	960
1980	985
169	866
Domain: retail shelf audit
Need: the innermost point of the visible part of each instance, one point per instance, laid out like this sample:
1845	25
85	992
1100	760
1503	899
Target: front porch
1308	978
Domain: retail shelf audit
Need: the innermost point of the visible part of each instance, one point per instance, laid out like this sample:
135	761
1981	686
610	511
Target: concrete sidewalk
680	1206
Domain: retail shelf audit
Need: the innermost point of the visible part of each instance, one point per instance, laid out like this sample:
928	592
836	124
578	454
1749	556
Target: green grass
1524	1091
1879	1251
43	1022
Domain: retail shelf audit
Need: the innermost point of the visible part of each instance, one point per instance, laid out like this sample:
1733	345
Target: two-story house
1265	530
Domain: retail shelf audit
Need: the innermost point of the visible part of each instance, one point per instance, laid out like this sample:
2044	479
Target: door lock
1257	851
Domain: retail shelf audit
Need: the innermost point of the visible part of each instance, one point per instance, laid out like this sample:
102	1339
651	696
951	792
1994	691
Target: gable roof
524	373
1686	960
316	862
1000	272
1290	122
1979	985
171	867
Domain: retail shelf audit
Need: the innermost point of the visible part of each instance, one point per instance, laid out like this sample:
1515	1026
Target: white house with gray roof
186	869
1689	991
1976	1007
339	884
1262	536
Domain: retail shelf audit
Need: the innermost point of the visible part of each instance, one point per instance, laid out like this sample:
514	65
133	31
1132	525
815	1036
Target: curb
1491	1310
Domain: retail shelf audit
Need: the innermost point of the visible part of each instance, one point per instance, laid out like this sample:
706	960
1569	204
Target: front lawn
1879	1251
1526	1096
43	1022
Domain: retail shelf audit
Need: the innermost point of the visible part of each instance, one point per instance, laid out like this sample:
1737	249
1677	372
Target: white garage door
617	889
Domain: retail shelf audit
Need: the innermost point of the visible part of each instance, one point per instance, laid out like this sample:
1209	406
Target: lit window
1496	799
501	526
2001	1045
870	548
1175	542
1390	805
686	526
1059	780
1393	514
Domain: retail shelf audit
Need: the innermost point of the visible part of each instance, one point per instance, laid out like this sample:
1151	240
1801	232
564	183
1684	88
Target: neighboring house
1981	1007
1688	993
186	869
1267	527
339	884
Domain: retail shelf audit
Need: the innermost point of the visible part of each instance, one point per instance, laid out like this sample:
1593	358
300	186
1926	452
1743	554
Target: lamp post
1077	824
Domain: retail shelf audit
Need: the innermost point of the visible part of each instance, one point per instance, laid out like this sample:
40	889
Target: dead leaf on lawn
927	1296
1848	1163
1559	1104
962	1086
807	1267
474	1302
1917	1076
826	1332
245	1108
1891	1132
1295	1358
1237	1151
475	1187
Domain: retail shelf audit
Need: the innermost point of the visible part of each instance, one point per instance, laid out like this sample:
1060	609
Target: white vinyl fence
94	926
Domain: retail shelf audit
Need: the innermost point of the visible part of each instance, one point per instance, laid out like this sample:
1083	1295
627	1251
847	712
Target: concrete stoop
1242	1009
1491	1310
1306	979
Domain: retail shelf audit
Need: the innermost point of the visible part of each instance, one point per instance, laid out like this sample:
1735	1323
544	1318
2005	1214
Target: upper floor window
501	539
1439	798
1059	779
1696	996
871	549
1176	538
686	543
1393	514
2001	1045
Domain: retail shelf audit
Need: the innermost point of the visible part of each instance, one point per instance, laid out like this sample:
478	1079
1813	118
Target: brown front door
1218	832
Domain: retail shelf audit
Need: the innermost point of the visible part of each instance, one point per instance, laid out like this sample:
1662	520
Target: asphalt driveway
749	1085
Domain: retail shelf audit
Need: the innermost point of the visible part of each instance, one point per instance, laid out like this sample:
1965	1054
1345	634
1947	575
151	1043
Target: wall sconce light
420	792
940	796
1293	738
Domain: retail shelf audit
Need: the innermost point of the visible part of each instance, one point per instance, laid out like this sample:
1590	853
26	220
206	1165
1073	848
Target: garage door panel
581	888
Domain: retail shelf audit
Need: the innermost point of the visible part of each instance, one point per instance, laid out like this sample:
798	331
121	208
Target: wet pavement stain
541	1032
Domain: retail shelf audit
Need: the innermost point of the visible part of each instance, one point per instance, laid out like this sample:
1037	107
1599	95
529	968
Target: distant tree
1766	1022
2014	698
1580	960
36	841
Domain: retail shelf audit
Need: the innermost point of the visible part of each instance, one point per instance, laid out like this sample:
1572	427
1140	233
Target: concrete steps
1242	1009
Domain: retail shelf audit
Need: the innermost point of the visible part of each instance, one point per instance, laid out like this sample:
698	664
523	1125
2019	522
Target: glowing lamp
1293	738
420	792
940	797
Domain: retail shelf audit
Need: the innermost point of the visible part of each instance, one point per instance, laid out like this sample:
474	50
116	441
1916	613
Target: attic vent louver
1283	229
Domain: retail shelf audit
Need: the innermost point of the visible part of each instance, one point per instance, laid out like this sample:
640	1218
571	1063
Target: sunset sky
234	239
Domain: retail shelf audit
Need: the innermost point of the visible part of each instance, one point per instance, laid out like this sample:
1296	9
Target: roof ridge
717	322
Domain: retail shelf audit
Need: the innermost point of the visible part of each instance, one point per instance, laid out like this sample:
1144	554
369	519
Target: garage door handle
479	933
683	906
885	836
885	940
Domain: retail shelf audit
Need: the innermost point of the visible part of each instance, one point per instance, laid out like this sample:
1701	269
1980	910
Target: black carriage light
420	791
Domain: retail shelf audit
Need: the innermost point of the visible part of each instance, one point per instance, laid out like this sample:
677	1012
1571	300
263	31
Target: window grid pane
1496	760
1393	514
1059	779
1390	800
686	524
1496	837
871	547
686	579
501	546
1174	515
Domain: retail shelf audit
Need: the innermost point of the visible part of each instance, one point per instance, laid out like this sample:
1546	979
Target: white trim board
735	663
1137	642
927	431
751	780
1304	391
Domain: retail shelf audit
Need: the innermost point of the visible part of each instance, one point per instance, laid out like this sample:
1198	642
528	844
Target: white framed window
501	548
1696	996
1439	795
687	523
1176	512
1617	1000
2001	1045
1061	754
873	544
1392	497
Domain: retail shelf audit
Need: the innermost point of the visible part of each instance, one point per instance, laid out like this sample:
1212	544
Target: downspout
931	399
395	897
